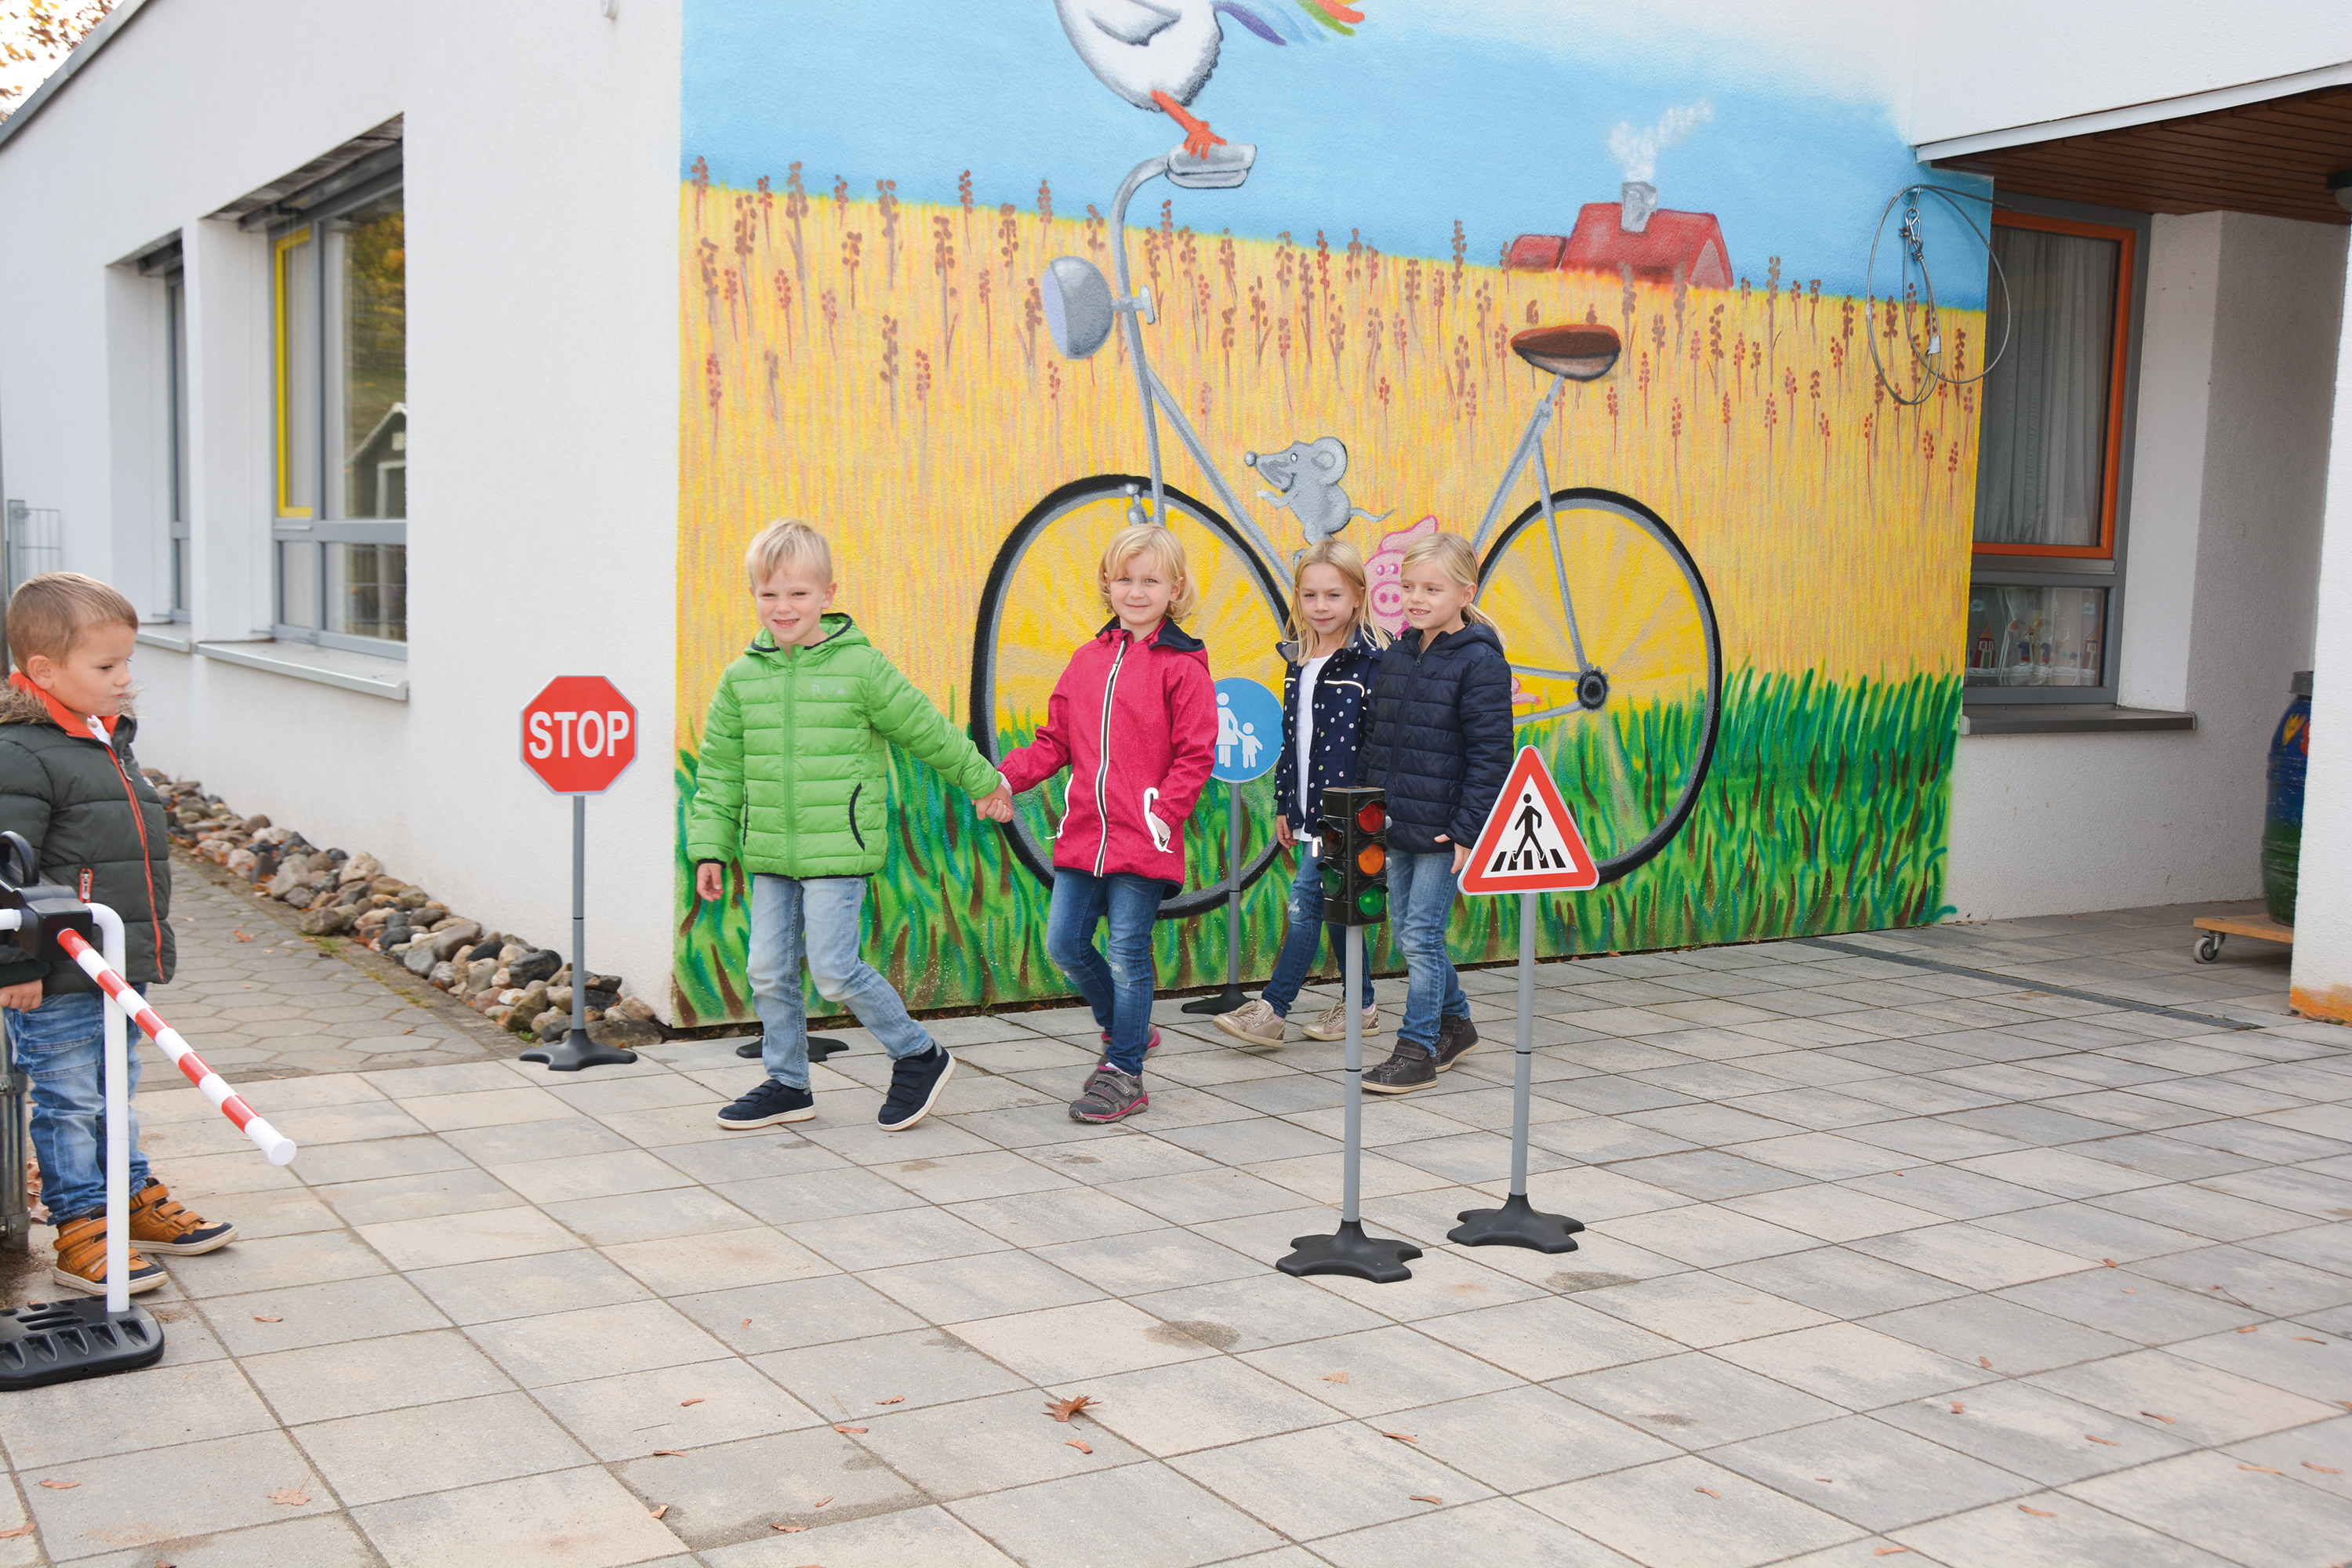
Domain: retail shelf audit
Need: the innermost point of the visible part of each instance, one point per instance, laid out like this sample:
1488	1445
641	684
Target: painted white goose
1159	54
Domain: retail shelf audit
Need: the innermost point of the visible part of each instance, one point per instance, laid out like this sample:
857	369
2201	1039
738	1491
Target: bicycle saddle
1581	353
1222	167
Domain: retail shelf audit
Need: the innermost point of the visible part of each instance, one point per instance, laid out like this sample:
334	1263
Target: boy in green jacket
794	783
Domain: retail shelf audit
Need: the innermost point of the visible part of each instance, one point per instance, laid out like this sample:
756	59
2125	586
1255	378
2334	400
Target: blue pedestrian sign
1249	730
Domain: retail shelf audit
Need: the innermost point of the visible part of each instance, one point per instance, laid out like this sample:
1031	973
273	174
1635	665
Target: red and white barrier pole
268	1139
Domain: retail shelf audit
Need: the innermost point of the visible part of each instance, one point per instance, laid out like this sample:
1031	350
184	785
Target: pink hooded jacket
1136	723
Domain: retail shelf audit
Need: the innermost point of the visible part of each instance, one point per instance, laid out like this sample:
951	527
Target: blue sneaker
767	1106
915	1085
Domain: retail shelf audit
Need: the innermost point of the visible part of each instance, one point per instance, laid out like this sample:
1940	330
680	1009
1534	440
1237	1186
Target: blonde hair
787	539
1453	552
1348	562
1133	540
50	613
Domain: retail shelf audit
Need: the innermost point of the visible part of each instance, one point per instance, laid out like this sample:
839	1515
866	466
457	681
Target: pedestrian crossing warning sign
1530	843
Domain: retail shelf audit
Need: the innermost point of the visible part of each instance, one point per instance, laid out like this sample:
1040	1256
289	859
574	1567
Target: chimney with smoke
1638	200
1636	152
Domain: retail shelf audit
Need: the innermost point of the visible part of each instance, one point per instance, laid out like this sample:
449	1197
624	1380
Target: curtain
2042	467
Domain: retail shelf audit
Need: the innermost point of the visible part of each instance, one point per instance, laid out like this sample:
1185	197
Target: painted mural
1604	310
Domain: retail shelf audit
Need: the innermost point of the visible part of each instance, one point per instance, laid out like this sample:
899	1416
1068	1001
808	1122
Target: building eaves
96	38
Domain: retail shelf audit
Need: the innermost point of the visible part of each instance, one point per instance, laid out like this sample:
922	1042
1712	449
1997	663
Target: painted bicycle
1607	622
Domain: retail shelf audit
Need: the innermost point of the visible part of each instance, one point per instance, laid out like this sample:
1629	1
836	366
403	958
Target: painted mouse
1306	478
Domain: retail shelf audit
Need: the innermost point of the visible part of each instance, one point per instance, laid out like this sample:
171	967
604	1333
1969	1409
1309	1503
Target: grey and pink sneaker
1109	1096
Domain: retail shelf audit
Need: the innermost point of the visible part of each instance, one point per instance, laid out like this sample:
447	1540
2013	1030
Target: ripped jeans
1116	979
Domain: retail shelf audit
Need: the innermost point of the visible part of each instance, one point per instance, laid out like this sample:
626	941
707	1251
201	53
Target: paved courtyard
1897	1249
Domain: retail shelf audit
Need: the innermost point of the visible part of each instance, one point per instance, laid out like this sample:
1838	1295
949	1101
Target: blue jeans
817	917
1421	897
1116	979
1305	934
62	1045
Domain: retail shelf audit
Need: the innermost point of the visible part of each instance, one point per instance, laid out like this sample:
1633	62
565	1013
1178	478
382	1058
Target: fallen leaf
790	1528
2307	1339
668	1454
698	1399
2251	1329
2102	1442
2264	1468
2036	1512
1401	1437
2109	1262
1080	1445
2346	1403
2131	1290
1063	1409
1984	1361
2166	1419
260	1319
2322	1469
245	936
1426	1496
20	1530
1958	1408
61	1486
1709	1491
290	1497
1334	1377
894	1399
1887	1551
657	1513
840	1428
822	1500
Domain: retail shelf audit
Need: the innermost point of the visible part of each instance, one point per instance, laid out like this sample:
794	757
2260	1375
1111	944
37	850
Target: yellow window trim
282	258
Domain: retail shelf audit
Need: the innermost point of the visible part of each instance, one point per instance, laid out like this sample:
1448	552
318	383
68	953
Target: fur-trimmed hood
19	706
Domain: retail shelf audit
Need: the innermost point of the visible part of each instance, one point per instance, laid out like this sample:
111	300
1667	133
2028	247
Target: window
2046	593
339	288
163	264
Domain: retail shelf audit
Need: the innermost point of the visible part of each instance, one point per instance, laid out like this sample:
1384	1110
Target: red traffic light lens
1372	816
1371	859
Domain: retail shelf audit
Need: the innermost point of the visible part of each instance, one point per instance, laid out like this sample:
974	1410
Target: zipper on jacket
1102	753
791	697
853	794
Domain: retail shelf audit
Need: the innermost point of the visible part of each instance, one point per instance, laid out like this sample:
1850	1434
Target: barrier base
55	1342
1516	1223
1349	1251
819	1047
575	1051
1230	999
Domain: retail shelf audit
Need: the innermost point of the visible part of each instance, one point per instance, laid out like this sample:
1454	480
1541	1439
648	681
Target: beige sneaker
1332	1023
1254	1023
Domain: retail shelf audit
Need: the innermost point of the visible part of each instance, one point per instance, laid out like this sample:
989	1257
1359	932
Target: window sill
175	641
2067	719
385	678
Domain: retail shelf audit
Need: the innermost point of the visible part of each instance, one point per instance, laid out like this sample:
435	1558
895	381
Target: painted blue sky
1430	112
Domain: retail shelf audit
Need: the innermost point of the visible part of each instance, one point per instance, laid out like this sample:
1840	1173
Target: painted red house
1691	242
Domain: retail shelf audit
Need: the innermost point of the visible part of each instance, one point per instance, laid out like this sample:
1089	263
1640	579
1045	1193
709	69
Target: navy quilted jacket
1438	736
1340	689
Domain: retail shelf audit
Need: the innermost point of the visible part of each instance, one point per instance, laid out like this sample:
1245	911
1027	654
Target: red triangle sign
1530	843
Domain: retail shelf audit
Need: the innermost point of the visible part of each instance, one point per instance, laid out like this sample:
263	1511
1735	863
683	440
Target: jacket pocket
1158	829
853	833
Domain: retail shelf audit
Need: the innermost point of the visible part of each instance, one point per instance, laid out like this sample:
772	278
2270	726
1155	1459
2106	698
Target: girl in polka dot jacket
1334	649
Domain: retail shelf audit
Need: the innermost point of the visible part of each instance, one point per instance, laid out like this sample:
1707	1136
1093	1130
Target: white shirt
1308	673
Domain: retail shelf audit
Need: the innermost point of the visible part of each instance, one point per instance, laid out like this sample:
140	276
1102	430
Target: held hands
1460	853
710	881
1282	834
21	998
997	804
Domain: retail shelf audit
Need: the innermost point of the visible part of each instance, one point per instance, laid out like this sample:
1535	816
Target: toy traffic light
1355	855
48	910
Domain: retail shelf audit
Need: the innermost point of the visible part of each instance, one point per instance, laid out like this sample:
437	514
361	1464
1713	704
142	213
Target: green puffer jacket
72	802
795	777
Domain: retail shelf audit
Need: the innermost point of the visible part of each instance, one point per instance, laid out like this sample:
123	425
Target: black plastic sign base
576	1050
1350	1251
55	1342
819	1047
1516	1223
1230	999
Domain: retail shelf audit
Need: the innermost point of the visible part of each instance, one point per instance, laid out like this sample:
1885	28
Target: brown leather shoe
159	1224
81	1259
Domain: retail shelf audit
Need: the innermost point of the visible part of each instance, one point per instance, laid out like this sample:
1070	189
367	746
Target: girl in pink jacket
1134	718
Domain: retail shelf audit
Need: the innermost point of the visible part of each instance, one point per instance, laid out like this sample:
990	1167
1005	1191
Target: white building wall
2237	392
541	150
2323	915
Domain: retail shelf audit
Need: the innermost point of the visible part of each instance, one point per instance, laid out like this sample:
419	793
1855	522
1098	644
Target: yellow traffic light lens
1372	859
1372	817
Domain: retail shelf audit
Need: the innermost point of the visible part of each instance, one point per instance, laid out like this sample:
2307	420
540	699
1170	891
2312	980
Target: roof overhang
96	38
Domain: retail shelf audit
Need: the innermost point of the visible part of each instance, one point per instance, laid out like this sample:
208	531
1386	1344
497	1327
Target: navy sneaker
767	1106
915	1085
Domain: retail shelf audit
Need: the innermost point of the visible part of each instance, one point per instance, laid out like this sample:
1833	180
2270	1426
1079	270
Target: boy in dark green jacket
794	783
69	785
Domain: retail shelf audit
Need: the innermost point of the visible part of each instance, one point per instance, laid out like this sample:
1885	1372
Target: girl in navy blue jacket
1334	646
1438	739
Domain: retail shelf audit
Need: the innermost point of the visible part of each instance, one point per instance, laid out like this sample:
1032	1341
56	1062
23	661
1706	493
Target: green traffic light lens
1333	883
1372	903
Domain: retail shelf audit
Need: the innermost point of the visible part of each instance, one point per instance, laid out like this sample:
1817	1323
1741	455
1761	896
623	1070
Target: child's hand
710	881
22	998
996	804
1282	834
1460	853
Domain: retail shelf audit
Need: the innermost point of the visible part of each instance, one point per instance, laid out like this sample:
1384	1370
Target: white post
118	1119
2322	975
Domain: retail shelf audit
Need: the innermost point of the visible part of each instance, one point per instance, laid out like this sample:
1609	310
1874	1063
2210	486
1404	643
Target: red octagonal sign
578	734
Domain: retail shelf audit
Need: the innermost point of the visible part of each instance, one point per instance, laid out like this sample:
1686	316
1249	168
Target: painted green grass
1826	809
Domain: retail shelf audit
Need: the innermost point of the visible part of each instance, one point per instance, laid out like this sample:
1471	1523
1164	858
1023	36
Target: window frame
307	518
165	263
2106	564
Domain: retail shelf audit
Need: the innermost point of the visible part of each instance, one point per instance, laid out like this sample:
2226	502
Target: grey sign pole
1517	1223
576	1050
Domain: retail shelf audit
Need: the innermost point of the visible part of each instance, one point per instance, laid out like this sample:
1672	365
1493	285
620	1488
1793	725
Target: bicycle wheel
1041	603
1619	664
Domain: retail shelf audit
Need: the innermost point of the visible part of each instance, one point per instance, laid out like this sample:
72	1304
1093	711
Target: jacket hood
1294	650
1170	636
1453	642
19	706
840	631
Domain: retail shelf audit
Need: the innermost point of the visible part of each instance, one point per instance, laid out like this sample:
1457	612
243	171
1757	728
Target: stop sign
579	733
